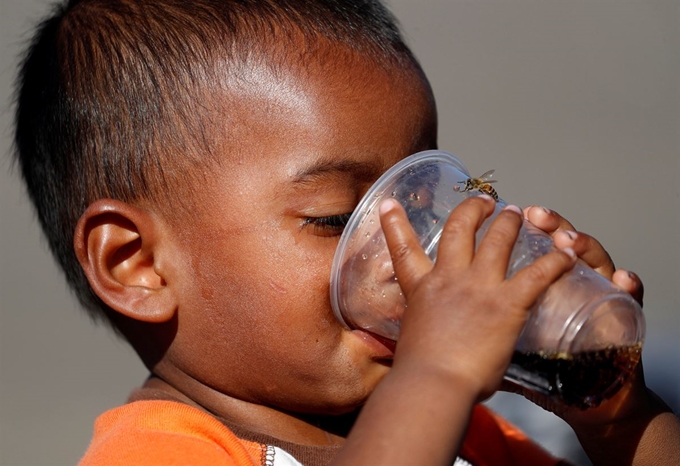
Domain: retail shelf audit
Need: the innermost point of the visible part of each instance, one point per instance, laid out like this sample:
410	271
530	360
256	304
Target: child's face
254	318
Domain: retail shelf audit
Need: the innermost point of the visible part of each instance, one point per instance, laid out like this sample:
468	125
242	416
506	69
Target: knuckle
549	267
498	237
588	242
457	224
538	272
400	253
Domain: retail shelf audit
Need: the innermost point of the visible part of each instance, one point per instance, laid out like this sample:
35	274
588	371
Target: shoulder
166	432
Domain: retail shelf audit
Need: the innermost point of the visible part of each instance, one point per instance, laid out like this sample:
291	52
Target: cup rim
368	202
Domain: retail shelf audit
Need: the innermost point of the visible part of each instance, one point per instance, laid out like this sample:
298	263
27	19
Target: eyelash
327	226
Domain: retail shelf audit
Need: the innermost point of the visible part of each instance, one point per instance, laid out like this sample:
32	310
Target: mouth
382	348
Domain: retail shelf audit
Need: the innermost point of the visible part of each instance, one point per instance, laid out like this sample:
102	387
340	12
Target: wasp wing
487	177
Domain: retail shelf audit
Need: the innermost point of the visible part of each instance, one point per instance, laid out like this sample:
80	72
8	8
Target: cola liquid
584	379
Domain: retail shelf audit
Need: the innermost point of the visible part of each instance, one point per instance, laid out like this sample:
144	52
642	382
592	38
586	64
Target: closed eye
329	226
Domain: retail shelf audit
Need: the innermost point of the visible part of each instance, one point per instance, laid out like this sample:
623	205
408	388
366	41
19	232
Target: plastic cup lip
370	201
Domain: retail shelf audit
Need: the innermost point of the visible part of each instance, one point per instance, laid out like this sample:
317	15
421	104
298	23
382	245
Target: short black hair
105	84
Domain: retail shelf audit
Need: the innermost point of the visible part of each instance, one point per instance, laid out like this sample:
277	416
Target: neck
303	429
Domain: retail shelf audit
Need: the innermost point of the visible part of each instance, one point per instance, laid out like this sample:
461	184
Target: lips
391	345
381	348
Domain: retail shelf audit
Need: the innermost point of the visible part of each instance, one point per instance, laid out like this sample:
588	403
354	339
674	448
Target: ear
121	249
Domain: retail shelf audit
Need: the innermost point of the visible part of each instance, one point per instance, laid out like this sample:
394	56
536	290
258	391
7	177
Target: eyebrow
328	168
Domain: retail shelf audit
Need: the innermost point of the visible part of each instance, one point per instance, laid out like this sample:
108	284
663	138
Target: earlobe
120	248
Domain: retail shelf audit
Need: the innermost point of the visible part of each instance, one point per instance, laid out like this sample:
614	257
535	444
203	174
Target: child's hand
634	426
457	334
591	251
464	317
586	247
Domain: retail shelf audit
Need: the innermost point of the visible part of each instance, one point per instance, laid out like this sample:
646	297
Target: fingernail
570	252
486	196
513	208
547	211
387	205
632	276
571	234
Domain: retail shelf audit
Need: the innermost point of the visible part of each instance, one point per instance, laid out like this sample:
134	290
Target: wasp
482	184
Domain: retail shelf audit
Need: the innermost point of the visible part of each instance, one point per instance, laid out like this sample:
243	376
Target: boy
193	164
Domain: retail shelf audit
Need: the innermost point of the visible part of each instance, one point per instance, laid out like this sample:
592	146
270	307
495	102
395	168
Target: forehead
303	117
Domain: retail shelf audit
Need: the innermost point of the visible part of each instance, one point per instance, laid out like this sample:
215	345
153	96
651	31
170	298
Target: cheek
263	321
294	286
266	286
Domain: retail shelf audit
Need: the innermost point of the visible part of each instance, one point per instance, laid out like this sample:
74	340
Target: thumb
408	258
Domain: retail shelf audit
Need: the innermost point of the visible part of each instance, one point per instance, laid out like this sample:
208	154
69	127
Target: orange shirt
160	432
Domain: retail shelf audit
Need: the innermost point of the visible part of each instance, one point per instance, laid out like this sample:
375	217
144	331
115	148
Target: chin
353	398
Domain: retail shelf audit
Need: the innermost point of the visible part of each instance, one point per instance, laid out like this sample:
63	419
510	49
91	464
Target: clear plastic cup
583	336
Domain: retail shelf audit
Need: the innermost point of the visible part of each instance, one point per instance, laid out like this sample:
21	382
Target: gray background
575	103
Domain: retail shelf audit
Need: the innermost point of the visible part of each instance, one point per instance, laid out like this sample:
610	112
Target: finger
535	278
564	235
457	243
588	249
631	283
546	219
493	254
408	258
